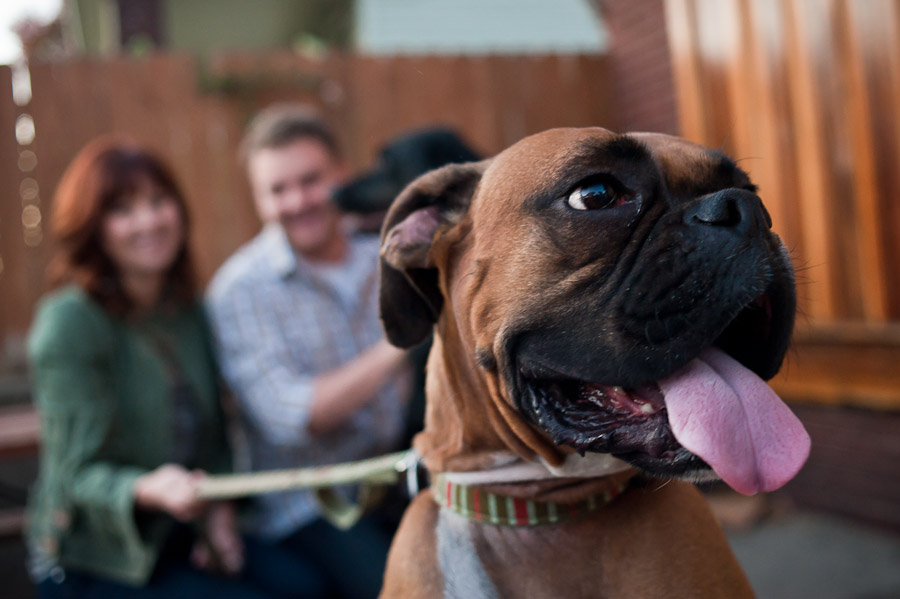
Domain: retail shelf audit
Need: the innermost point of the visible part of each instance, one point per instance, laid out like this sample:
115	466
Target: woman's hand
220	546
171	489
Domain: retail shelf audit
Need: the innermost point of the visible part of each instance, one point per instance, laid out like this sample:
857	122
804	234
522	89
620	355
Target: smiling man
300	343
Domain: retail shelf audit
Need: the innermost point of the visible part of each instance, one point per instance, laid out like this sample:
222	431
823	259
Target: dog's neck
467	423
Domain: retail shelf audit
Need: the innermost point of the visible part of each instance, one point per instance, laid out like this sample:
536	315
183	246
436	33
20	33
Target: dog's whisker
663	485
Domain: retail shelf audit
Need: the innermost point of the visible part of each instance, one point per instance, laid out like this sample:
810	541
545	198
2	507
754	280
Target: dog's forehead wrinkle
535	169
621	146
708	172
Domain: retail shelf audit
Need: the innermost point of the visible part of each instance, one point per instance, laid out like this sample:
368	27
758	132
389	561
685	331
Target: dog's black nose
736	209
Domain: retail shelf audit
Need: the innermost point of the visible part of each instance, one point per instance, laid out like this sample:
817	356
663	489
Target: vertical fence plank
596	92
873	62
777	168
486	131
509	91
870	274
686	69
813	178
887	70
374	84
467	90
14	296
201	180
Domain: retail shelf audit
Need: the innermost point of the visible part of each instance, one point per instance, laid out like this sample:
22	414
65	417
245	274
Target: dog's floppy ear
410	300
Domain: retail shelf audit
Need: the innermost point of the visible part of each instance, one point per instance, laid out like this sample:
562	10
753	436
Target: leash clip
409	464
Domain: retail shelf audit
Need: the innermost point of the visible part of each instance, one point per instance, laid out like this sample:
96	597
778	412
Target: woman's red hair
106	170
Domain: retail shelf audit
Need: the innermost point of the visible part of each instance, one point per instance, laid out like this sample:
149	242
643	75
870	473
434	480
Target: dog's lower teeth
648	409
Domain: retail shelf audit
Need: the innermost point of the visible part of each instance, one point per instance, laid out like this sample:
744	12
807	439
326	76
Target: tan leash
370	474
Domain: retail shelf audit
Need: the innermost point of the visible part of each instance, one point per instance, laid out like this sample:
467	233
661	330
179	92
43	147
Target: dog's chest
481	561
464	575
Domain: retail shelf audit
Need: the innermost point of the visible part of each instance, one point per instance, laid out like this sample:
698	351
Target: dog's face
581	268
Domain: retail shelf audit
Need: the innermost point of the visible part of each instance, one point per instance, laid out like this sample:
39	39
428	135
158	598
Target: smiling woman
120	222
123	372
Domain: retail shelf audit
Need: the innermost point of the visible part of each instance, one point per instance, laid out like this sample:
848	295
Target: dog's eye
594	196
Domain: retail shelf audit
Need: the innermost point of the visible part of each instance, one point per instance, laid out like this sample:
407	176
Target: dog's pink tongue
722	412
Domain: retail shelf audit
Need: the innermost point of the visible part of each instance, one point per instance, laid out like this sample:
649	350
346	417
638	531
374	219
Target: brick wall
639	58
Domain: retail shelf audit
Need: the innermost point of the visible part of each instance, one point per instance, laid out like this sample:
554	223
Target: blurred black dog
367	198
401	160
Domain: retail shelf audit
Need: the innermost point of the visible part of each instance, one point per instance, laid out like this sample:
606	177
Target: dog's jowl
606	309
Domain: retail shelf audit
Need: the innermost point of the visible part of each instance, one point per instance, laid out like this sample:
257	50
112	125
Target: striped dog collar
476	504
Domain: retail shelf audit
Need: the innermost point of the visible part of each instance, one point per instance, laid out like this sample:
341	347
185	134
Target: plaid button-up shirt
279	321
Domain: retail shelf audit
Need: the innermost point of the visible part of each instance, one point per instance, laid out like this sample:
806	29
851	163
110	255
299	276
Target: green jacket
104	397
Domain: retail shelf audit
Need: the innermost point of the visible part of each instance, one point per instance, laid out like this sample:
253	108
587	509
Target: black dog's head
400	161
613	288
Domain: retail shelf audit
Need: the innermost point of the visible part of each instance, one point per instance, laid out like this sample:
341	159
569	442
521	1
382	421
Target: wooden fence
194	113
805	94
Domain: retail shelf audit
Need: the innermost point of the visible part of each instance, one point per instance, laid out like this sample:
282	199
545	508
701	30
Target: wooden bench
20	431
20	436
849	364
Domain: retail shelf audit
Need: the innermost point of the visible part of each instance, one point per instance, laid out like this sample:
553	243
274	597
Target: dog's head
610	290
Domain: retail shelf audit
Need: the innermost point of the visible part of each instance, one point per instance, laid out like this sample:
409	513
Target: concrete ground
800	555
14	583
795	553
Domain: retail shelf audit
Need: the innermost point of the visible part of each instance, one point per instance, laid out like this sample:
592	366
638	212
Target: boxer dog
606	308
